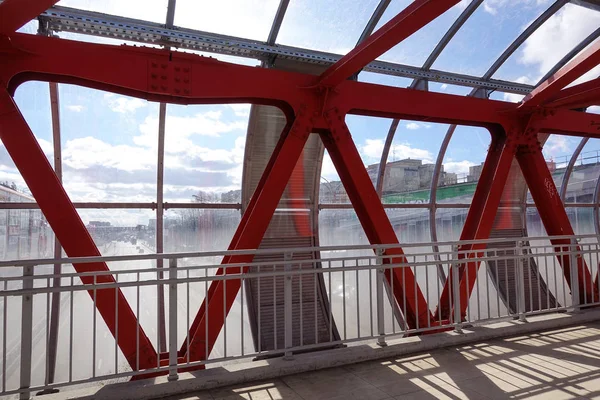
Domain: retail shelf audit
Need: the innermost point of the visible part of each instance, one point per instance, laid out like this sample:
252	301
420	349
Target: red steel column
71	232
373	218
480	219
554	216
211	317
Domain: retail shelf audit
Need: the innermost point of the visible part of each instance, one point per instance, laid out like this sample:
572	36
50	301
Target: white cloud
90	152
122	104
444	86
412	126
76	108
557	145
557	36
489	9
513	98
179	130
458	167
240	110
374	147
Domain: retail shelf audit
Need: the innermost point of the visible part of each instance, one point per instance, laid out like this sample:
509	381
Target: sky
109	141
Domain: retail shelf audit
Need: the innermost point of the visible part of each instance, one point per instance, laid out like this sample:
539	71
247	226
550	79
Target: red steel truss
311	106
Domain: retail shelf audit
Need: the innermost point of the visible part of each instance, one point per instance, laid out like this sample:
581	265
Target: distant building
98	224
475	173
448	178
404	175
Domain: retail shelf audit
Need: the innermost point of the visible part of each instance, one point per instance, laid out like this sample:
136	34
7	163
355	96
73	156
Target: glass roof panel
250	19
549	44
489	31
325	25
415	49
148	10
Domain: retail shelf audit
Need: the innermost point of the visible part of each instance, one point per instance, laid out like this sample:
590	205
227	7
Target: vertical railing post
26	334
455	266
173	376
379	298
520	281
574	268
287	306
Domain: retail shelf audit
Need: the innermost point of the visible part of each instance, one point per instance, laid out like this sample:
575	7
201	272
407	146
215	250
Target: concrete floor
558	364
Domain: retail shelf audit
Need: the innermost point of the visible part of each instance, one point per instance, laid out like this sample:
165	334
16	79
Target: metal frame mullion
277	21
52	345
160	170
569	169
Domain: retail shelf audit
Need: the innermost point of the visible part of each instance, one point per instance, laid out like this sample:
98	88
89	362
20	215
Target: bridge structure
278	287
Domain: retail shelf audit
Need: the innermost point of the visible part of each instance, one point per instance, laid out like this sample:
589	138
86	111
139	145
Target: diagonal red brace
71	232
555	218
374	220
479	222
211	316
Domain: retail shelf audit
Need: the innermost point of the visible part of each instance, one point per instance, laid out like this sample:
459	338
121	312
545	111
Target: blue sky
109	141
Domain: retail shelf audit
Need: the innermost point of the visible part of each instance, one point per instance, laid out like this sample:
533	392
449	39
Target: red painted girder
565	76
139	72
210	319
418	14
486	222
71	232
568	122
361	98
127	70
553	215
578	96
16	13
374	220
479	220
240	229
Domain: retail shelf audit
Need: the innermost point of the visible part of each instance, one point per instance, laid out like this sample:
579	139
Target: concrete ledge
355	353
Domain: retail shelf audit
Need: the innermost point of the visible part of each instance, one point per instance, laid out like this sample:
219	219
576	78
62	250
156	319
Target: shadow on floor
558	364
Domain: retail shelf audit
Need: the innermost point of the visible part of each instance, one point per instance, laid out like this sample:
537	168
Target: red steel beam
16	13
54	202
578	96
27	57
479	221
554	217
209	321
374	220
240	229
418	14
565	76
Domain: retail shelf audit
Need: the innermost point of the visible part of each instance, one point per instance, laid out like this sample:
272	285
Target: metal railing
360	302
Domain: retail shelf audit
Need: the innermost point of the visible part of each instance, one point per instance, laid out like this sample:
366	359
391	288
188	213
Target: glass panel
584	177
121	231
33	100
549	44
463	163
415	49
489	31
242	18
24	234
204	152
325	25
582	220
109	146
411	162
149	10
195	230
